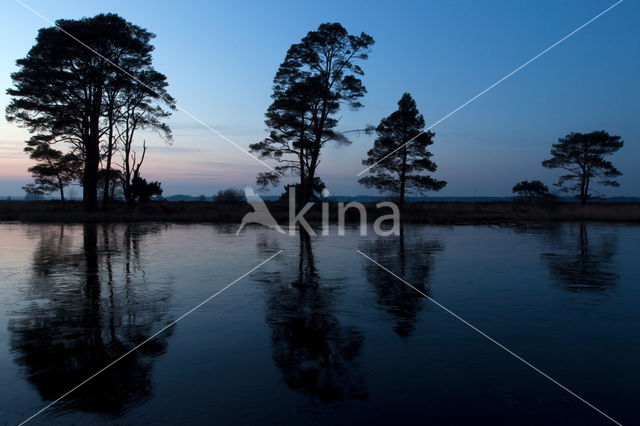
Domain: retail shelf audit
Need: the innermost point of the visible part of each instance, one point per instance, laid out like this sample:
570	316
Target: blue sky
220	58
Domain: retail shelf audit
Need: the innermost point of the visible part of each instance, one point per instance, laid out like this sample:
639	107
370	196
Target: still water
319	334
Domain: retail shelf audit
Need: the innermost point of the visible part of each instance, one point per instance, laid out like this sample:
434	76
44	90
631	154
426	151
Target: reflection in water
411	259
317	356
77	319
580	263
326	352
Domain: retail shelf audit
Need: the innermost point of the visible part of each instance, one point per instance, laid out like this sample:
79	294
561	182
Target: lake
319	334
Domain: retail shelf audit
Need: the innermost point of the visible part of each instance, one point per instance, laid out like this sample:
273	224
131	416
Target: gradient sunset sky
220	59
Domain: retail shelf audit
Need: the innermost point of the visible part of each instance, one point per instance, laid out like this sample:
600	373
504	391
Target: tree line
94	90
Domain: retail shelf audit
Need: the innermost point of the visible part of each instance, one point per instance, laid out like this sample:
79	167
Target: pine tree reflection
316	354
74	322
410	258
582	263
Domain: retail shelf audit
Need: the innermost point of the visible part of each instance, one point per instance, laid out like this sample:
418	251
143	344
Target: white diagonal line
494	84
179	108
171	324
494	341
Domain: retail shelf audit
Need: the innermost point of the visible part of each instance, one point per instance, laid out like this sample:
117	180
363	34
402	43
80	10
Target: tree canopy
532	191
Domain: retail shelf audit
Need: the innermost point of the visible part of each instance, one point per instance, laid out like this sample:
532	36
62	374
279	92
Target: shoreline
428	212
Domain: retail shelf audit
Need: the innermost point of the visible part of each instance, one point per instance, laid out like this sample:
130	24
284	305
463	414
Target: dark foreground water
319	334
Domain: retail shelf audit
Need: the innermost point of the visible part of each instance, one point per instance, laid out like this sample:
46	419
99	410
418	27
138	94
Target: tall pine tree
318	75
401	170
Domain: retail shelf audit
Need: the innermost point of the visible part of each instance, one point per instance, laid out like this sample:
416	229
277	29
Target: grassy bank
418	212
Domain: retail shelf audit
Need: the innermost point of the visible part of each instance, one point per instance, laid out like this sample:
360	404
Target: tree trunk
61	186
92	151
299	198
90	177
403	178
307	190
126	182
584	177
107	181
583	193
402	190
586	190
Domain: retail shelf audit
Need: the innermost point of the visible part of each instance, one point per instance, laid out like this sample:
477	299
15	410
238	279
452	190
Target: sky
220	59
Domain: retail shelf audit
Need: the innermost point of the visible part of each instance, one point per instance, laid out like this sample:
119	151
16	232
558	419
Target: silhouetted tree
62	88
582	155
54	169
141	190
318	75
532	191
401	171
230	195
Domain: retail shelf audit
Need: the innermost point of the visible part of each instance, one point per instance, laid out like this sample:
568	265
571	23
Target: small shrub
532	191
230	195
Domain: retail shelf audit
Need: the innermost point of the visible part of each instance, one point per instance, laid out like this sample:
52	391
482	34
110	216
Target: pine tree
318	75
397	166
